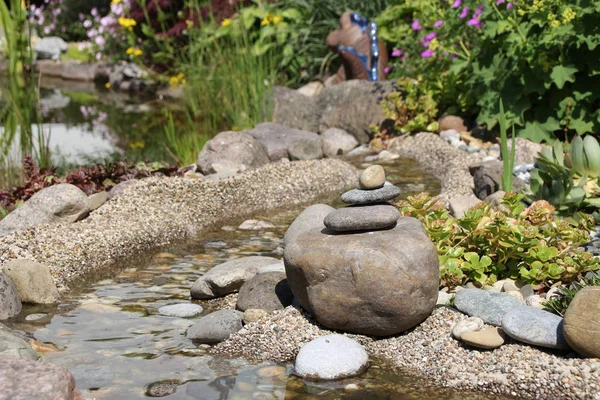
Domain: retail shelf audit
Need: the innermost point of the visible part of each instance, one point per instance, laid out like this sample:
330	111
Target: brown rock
365	283
27	380
452	122
372	177
489	338
582	322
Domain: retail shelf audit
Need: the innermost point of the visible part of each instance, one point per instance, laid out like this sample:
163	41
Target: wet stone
361	197
185	310
162	389
362	218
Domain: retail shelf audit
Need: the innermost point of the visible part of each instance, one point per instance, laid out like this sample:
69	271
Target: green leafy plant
526	243
508	158
558	304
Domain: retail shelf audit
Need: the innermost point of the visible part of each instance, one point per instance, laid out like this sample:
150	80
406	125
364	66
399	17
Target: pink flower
87	24
478	11
387	70
397	52
438	23
98	56
498	2
427	53
94	12
464	13
474	22
100	41
509	6
415	25
427	39
456	4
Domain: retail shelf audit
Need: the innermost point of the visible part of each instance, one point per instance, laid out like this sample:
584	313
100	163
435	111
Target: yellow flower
114	2
277	19
129	50
554	23
134	51
189	23
137	145
107	85
127	23
177	79
226	22
568	15
265	21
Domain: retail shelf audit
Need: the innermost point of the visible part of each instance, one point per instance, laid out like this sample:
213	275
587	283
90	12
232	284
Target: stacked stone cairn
368	210
363	268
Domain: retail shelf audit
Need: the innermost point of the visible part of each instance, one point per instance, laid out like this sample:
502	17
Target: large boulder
30	380
337	142
526	151
278	138
13	346
268	291
306	149
293	109
50	48
582	322
373	283
237	147
33	281
353	106
228	277
10	303
63	203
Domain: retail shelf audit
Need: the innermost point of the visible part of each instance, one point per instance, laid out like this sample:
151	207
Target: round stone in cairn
372	178
363	197
362	218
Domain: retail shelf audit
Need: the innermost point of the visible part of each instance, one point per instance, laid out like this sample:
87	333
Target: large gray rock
293	109
461	204
228	277
305	149
63	203
10	303
13	346
50	48
31	380
215	327
489	306
331	357
268	291
362	218
526	151
353	106
537	327
373	283
278	138
237	147
33	281
337	142
582	322
311	217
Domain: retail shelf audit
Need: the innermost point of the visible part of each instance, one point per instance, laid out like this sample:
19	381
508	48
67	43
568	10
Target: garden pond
109	334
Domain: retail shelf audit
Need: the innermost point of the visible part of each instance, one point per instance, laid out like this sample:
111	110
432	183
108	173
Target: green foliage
540	58
413	109
508	159
552	180
486	245
566	294
183	143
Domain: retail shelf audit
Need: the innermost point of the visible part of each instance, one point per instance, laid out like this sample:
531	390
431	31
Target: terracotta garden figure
364	56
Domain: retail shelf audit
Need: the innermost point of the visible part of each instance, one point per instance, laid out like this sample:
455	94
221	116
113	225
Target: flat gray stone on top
331	357
537	327
361	197
228	277
362	218
489	306
182	310
215	327
10	303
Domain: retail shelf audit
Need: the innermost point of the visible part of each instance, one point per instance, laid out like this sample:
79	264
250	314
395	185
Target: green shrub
566	294
540	58
485	245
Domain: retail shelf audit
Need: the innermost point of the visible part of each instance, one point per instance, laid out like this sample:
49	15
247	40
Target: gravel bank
157	212
447	163
512	370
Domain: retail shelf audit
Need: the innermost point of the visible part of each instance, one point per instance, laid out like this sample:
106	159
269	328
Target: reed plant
508	156
22	131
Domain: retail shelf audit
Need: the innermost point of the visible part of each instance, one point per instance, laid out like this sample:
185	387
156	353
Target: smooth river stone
471	324
489	306
582	322
372	178
362	218
362	197
489	338
537	327
184	310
